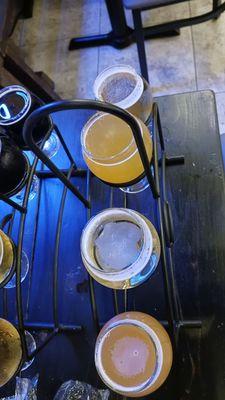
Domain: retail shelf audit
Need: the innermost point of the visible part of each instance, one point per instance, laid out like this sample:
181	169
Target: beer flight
120	247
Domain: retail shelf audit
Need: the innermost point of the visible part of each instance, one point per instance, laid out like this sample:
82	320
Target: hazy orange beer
133	354
110	151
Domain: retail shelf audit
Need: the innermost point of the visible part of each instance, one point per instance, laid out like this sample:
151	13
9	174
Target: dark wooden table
196	192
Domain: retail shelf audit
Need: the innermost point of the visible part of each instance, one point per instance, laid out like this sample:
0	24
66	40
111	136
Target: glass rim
18	369
142	259
23	181
108	72
158	350
90	123
21	115
1	250
12	268
29	337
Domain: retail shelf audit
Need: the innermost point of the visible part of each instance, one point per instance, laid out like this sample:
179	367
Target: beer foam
92	231
126	371
120	85
118	245
117	87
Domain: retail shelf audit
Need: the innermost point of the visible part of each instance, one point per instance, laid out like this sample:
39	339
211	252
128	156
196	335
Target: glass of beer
123	87
16	104
10	351
120	248
110	151
11	357
8	262
14	170
133	354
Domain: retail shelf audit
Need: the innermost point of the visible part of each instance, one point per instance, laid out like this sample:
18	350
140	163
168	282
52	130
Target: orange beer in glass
133	354
110	151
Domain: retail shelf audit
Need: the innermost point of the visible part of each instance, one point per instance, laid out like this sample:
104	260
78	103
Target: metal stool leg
216	4
139	34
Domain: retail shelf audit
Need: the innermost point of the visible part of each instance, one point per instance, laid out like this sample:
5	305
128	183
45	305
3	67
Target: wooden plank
14	63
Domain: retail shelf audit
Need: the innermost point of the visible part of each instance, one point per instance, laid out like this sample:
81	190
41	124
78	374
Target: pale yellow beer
10	351
110	150
6	256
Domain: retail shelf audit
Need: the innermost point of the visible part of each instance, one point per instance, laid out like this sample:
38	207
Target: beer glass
110	151
123	87
10	351
8	262
14	170
133	354
16	104
120	248
11	361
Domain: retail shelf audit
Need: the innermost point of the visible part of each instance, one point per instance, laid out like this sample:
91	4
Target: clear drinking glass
8	260
110	151
18	198
120	248
133	354
14	171
11	355
31	346
24	271
10	351
123	87
16	104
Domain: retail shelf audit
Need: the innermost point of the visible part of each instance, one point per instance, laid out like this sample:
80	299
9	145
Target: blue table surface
70	356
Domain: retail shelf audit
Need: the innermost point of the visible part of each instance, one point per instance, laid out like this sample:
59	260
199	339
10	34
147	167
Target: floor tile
220	102
60	19
17	33
171	62
105	25
149	18
166	14
199	7
72	72
209	48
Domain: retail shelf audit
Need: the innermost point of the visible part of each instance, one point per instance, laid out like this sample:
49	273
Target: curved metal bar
19	302
90	279
85	105
56	254
166	279
12	203
64	145
5	220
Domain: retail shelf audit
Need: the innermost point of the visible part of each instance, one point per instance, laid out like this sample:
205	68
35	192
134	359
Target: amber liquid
113	152
128	354
10	351
8	256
